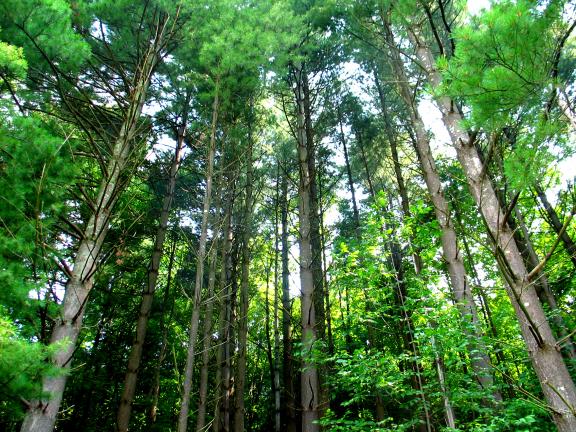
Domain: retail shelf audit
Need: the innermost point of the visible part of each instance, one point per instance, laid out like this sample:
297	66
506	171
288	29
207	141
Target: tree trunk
556	225
316	264
207	331
201	254
310	388
125	408
288	390
164	343
276	378
541	283
221	419
461	289
441	370
556	383
349	174
239	409
41	414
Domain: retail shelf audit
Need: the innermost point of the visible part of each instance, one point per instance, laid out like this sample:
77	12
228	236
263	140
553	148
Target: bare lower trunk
125	408
239	409
318	295
288	390
164	342
201	254
276	378
221	422
207	337
41	415
310	388
556	383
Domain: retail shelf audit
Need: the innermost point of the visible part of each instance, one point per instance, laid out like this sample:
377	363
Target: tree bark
239	409
201	255
310	388
207	333
461	289
276	378
164	343
555	380
288	390
41	414
221	418
125	408
349	173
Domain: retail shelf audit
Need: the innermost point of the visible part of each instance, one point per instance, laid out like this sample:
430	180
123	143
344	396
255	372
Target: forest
287	215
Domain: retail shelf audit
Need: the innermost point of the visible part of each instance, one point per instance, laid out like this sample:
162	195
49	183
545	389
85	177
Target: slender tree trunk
310	388
324	273
288	390
441	370
41	414
269	346
541	283
349	174
556	225
228	371
207	333
221	419
201	254
461	289
125	408
556	383
164	343
407	330
365	164
276	379
239	410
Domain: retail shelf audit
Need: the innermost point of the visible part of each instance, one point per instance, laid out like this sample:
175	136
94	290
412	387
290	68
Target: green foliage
22	364
43	28
363	423
12	61
36	170
495	73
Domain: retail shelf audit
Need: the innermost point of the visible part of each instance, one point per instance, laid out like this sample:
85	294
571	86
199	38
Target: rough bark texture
201	255
556	383
239	409
125	408
310	388
207	335
41	414
541	284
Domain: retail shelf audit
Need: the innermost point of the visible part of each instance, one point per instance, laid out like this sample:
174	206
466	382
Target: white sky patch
440	142
475	6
